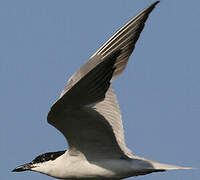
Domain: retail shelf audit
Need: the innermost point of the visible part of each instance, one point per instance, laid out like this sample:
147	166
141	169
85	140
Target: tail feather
160	166
154	165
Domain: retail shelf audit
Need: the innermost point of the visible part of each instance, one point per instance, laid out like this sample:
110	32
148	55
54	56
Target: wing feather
109	108
87	112
125	39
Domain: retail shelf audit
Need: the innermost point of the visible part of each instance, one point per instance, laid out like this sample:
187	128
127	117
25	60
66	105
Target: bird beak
21	168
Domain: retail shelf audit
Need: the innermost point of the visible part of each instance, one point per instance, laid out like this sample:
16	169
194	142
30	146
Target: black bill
21	168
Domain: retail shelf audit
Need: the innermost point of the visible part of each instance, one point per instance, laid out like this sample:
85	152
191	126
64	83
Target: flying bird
88	115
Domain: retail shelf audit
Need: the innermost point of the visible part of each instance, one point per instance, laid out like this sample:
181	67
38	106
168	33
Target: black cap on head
39	159
47	157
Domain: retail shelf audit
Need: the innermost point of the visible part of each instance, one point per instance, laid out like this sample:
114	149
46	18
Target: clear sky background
43	42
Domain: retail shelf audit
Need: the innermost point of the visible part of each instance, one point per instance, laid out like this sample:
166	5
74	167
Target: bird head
40	163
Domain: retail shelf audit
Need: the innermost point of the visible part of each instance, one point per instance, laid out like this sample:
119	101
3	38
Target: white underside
74	167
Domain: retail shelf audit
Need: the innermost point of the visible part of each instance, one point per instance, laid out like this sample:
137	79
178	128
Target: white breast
74	167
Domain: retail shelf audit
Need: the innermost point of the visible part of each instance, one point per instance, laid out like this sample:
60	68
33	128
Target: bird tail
154	166
161	166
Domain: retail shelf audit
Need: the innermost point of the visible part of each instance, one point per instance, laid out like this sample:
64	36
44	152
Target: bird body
88	115
72	167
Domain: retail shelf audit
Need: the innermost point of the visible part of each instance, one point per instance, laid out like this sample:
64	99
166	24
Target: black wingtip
149	9
153	5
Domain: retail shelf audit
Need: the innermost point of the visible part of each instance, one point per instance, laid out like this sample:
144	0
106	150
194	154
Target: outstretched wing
87	112
125	39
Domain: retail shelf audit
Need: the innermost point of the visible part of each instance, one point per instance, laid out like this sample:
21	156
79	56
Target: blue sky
43	42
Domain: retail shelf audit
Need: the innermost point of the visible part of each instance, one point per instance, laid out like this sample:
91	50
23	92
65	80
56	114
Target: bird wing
125	39
87	112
